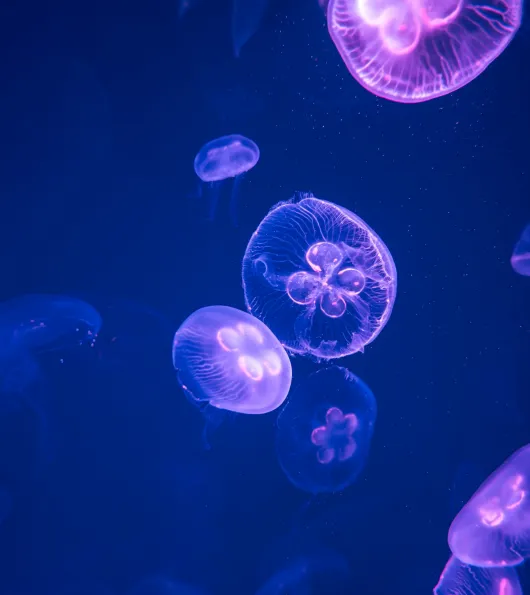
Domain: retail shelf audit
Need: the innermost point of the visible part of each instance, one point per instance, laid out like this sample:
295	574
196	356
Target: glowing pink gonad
493	528
415	50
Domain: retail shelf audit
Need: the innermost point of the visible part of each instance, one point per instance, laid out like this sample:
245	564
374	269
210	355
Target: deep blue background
103	106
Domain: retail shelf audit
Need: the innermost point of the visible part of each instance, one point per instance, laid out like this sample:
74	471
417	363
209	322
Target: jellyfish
223	158
232	361
41	322
319	278
325	430
31	324
521	254
493	528
413	50
458	578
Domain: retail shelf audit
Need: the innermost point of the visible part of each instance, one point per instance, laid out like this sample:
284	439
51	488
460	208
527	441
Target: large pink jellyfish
493	528
415	50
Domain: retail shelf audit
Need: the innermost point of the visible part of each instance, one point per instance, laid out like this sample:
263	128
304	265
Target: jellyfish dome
44	322
231	360
460	579
325	430
319	278
415	50
493	528
226	157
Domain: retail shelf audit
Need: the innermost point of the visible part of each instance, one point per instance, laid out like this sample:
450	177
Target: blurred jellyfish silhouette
31	325
314	573
458	578
493	528
247	16
325	430
160	585
521	254
410	52
319	278
41	322
246	19
226	360
222	159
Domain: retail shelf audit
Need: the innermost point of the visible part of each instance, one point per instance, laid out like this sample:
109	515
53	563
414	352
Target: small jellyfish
493	528
319	278
460	579
521	254
41	322
415	50
231	360
325	430
223	158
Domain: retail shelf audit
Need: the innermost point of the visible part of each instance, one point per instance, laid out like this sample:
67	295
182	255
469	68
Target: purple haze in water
319	277
226	157
231	360
460	579
325	430
521	254
493	528
415	50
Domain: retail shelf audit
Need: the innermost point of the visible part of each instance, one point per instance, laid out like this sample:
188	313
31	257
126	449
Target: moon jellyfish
48	322
232	361
414	50
521	254
460	579
493	528
325	430
223	158
319	278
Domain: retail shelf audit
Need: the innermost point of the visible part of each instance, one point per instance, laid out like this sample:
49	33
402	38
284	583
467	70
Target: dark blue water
103	107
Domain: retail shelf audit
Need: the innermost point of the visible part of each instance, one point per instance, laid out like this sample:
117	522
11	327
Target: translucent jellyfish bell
415	50
45	322
231	360
319	278
521	254
460	579
223	158
493	528
325	430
